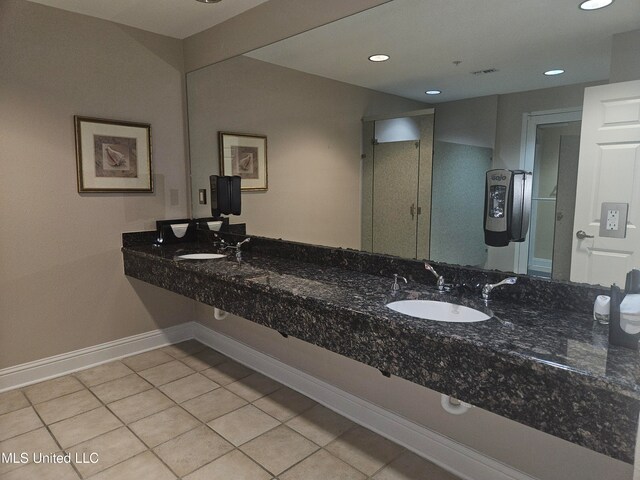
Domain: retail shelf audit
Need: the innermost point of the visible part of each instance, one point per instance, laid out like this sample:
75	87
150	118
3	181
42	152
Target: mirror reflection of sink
438	311
201	256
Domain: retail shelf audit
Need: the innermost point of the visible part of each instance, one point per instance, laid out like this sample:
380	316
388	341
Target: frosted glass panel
397	130
457	234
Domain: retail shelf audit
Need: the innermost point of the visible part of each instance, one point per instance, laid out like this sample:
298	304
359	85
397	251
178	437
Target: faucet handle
429	268
395	287
486	290
439	278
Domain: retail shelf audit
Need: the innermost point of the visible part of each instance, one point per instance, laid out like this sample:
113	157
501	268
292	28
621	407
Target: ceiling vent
484	72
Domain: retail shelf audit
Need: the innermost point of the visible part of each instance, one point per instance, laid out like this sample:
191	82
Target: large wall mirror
359	156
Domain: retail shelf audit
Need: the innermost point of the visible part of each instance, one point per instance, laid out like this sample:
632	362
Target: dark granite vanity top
548	368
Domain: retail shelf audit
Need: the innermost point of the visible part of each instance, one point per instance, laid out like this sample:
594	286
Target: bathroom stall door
395	198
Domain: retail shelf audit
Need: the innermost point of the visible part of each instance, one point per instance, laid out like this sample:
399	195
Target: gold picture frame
244	155
113	155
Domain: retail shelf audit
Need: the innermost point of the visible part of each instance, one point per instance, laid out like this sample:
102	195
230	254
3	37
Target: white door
608	171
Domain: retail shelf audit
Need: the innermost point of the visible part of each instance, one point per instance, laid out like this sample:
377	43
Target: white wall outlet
613	220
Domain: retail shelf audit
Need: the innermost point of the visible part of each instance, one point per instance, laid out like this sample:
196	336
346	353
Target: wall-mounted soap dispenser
507	206
624	317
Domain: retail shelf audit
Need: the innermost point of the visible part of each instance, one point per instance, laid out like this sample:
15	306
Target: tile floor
186	411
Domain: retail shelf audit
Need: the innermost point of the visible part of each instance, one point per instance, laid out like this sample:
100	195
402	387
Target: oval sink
201	256
438	311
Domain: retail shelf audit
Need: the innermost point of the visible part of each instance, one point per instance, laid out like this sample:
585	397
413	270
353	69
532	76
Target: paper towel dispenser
225	195
507	206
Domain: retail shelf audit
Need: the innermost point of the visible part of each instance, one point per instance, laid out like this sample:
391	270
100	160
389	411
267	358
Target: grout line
55	439
200	422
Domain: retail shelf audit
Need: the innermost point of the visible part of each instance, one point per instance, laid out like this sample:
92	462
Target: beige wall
531	451
62	285
267	23
471	121
313	125
625	57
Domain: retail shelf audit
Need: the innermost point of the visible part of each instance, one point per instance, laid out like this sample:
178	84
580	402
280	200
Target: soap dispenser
625	306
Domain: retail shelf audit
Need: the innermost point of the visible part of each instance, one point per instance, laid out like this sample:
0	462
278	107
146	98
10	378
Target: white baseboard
459	459
51	367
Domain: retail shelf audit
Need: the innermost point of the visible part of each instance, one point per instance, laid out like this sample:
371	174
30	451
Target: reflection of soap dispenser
507	206
624	322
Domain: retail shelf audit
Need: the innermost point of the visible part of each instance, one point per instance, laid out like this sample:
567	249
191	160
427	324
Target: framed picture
113	156
244	155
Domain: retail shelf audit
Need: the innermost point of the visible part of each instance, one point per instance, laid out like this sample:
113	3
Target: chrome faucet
486	290
395	287
440	278
236	247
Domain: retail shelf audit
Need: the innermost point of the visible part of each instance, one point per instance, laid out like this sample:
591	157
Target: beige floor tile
121	388
322	466
232	466
43	471
189	387
227	372
140	405
213	404
203	360
18	422
12	400
279	449
192	450
284	404
85	426
41	392
67	406
163	426
103	373
111	448
165	373
141	467
364	450
179	350
411	467
243	424
254	387
147	360
320	425
35	442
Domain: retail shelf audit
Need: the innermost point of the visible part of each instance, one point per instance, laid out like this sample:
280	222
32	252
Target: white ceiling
520	38
174	18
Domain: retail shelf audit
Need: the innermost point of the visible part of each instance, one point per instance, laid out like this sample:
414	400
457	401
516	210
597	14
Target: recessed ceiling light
433	92
379	57
209	1
551	73
595	4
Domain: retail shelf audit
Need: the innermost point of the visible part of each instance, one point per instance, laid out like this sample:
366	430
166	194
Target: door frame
530	122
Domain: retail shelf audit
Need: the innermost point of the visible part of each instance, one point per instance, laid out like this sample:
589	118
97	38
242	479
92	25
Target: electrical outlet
612	219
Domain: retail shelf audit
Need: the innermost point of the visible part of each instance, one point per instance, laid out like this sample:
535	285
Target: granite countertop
547	368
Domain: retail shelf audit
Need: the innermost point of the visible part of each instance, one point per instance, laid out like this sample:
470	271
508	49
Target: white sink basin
438	311
201	256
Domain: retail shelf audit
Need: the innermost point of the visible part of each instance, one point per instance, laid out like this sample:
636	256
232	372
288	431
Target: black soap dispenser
617	336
